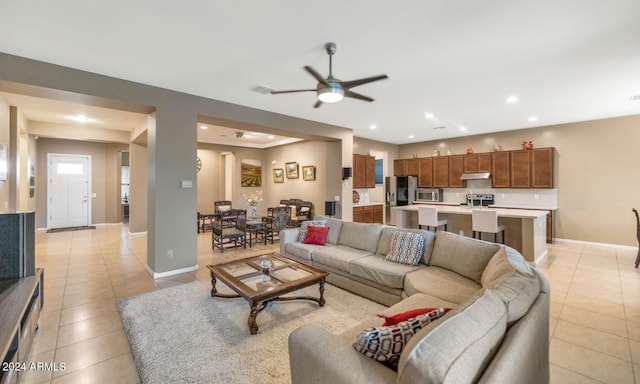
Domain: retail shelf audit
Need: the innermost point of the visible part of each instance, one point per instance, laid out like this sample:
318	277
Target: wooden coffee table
247	279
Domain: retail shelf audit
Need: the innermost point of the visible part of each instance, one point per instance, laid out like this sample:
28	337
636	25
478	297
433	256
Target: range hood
476	176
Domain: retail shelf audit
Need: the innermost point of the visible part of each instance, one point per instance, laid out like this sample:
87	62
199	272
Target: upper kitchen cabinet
405	167
542	168
477	162
441	171
520	169
455	171
425	172
484	162
500	169
532	168
364	171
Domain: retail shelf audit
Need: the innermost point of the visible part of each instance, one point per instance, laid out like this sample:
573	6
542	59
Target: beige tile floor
594	328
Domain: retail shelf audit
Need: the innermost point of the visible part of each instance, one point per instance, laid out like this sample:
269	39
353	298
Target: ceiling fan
332	90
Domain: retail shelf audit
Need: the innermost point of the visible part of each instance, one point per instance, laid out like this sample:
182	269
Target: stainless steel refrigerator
406	187
389	198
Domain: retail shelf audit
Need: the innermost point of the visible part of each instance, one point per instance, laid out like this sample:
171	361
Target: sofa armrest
288	236
318	356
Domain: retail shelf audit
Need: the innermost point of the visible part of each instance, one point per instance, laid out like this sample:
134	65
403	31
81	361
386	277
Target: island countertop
525	228
461	210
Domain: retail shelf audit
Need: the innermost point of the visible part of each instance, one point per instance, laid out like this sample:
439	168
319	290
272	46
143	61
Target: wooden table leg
253	326
213	285
321	300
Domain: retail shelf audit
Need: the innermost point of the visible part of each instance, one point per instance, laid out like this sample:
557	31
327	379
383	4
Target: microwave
430	194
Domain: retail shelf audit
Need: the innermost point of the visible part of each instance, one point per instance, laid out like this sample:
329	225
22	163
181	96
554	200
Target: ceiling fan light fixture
330	94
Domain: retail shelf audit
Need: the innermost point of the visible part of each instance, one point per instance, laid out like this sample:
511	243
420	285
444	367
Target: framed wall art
251	173
278	175
308	173
292	170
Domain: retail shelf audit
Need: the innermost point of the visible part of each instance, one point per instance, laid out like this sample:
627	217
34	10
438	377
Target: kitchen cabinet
368	214
441	171
477	162
455	171
532	168
520	170
405	167
425	172
542	168
358	214
500	169
364	171
484	162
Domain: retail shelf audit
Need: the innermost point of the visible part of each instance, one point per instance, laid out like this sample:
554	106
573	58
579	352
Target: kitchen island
525	229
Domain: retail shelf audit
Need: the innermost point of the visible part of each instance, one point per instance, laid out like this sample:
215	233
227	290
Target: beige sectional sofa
496	332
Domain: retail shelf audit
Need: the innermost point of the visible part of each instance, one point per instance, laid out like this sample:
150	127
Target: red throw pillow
404	316
316	235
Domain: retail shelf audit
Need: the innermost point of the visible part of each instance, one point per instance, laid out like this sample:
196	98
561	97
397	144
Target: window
379	173
69	169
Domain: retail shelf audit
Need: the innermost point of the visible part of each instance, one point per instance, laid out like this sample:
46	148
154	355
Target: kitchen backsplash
525	198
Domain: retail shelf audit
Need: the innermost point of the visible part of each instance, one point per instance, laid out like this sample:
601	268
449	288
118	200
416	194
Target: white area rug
183	335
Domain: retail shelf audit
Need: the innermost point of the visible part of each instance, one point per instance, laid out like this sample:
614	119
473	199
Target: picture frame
292	170
250	173
309	173
278	175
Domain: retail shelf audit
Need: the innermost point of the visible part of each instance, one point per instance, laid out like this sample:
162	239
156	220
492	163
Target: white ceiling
566	61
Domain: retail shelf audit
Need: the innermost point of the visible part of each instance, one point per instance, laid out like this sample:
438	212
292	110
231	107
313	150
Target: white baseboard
608	245
170	273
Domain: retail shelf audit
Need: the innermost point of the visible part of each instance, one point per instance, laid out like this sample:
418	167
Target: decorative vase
527	145
254	212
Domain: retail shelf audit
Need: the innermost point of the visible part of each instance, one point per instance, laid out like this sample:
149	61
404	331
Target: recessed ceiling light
411	136
204	127
271	136
462	128
533	118
429	116
372	126
512	99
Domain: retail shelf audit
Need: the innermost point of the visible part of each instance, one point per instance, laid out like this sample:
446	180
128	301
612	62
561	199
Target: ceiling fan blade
316	75
317	104
354	95
355	83
293	91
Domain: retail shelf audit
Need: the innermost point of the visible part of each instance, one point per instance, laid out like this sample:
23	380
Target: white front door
68	203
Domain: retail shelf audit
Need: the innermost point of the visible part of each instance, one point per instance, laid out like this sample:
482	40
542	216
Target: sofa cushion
384	243
303	251
460	347
440	282
513	281
337	256
385	343
383	272
463	255
334	232
316	235
406	248
305	224
361	236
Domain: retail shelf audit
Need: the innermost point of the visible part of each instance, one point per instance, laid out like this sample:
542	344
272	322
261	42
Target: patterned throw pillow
316	235
406	248
303	228
385	344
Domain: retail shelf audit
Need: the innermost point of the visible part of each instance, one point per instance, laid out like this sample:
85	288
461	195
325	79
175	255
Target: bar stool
485	220
428	216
